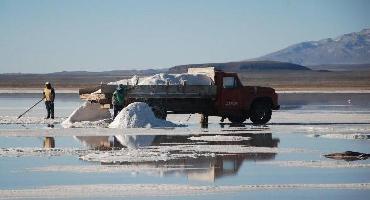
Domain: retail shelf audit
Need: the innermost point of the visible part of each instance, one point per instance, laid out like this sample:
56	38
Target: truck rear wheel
237	119
260	112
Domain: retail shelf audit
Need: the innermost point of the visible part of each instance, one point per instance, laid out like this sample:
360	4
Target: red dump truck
225	97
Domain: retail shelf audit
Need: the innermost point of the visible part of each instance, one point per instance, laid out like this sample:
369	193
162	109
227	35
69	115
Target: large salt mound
176	79
139	115
171	79
87	112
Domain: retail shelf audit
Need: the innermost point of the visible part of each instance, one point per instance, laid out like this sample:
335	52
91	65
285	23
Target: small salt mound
139	115
87	112
176	79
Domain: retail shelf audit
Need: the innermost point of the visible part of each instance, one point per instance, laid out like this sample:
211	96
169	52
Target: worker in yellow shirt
49	96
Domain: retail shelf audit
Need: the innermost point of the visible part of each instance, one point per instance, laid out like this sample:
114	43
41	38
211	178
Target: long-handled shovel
30	108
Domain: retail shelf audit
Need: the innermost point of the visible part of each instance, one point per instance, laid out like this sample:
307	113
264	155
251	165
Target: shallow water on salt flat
285	139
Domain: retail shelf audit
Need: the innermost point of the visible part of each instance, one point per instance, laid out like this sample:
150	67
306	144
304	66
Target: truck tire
237	119
261	112
159	112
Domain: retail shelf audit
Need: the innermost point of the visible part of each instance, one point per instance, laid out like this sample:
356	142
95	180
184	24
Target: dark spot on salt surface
348	156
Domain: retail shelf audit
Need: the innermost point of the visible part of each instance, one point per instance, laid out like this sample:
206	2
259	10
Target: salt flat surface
165	153
158	169
291	117
29	120
101	131
348	136
17	152
311	122
222	161
319	117
147	168
219	138
317	164
147	153
94	132
335	128
135	190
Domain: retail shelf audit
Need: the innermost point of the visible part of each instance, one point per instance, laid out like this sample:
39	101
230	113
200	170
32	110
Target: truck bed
103	93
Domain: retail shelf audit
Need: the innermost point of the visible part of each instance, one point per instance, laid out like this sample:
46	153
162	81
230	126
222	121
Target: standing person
118	99
49	96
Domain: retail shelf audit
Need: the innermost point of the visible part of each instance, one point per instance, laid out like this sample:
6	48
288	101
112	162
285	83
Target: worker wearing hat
49	96
118	100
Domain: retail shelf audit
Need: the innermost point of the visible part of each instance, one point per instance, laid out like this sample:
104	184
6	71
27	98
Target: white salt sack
139	115
87	112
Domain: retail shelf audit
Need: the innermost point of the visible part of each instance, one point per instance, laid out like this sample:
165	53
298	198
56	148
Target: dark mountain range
342	67
242	66
352	48
110	73
349	52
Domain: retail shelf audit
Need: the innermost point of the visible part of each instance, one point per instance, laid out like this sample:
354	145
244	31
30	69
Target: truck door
230	93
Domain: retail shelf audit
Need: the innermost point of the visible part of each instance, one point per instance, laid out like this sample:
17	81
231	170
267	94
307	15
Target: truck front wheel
260	112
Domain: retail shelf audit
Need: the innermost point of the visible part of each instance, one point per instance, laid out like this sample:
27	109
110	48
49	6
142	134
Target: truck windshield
229	82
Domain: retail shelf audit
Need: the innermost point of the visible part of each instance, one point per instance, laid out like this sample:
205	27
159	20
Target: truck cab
238	103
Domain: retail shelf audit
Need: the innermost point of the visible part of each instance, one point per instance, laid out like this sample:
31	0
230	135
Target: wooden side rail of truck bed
103	94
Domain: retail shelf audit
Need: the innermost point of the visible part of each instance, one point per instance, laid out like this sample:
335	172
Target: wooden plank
88	90
90	97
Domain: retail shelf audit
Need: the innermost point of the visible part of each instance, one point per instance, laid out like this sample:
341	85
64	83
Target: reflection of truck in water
225	97
197	168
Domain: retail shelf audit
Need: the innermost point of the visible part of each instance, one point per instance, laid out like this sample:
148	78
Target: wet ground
282	160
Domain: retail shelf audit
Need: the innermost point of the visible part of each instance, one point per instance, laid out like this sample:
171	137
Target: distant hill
109	73
352	48
242	66
342	67
70	79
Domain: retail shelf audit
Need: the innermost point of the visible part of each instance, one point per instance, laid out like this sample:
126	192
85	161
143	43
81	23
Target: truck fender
261	99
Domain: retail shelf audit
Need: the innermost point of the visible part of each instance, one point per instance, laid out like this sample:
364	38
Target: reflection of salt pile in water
135	141
87	112
171	79
139	115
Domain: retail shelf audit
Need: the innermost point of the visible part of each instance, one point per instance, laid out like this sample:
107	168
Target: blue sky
47	36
